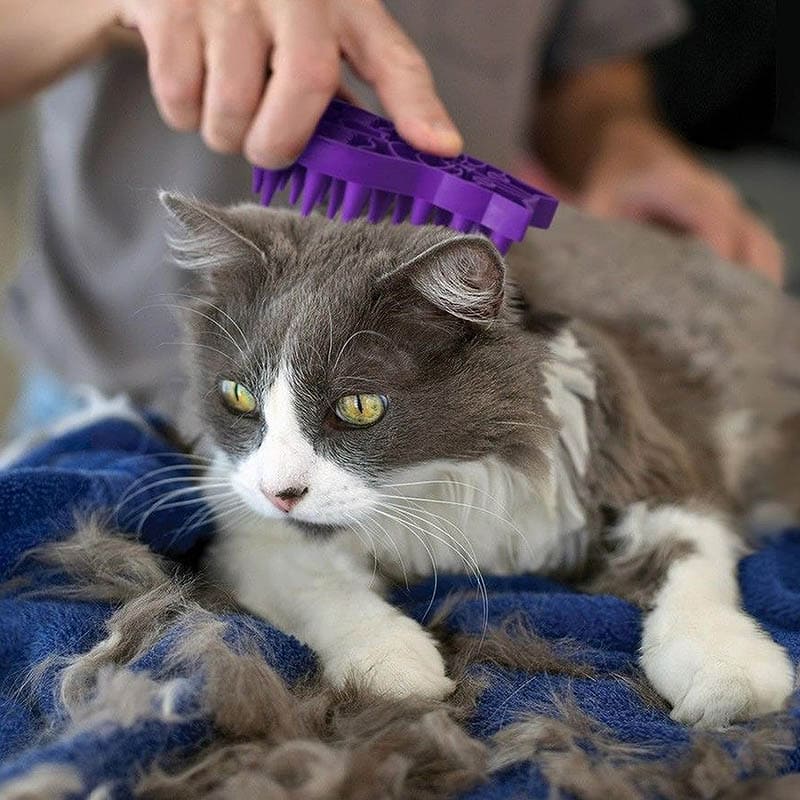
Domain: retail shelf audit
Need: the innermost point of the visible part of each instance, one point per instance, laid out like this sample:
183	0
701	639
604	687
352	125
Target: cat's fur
618	444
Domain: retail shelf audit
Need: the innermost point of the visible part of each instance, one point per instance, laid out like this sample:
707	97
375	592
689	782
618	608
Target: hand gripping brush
356	161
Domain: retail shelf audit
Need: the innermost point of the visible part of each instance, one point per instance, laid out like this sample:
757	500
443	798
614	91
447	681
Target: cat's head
330	361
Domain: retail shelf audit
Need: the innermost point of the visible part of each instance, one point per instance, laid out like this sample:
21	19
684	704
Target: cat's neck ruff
492	513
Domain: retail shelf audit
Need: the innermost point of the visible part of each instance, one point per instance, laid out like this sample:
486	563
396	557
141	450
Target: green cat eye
237	397
360	409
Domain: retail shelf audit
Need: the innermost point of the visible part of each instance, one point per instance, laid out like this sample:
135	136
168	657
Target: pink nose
286	499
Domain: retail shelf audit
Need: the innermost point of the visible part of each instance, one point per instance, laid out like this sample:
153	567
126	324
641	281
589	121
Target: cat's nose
286	499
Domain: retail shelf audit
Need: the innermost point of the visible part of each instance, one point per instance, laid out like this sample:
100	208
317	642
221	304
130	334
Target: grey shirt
91	300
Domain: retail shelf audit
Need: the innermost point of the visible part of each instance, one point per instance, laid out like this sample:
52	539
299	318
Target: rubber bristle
336	197
502	243
379	203
298	179
315	187
269	185
460	223
441	216
420	211
402	206
355	196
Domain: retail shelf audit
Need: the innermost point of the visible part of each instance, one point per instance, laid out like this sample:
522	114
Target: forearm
43	39
577	110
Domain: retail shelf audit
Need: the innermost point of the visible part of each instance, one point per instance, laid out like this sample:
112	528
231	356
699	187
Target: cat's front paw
724	671
398	660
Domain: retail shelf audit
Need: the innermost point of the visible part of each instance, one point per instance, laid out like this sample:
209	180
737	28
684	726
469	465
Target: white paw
400	659
721	672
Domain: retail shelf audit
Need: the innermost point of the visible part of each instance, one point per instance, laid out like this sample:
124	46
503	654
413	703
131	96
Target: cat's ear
463	276
206	237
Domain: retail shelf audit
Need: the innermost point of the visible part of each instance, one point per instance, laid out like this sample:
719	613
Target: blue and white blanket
94	467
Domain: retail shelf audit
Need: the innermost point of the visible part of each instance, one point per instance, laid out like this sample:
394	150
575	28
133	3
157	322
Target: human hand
642	172
254	76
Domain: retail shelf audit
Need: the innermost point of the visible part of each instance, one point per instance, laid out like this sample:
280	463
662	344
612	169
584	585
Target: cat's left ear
463	276
207	237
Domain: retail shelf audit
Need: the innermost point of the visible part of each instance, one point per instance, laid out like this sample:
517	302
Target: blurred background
15	158
716	86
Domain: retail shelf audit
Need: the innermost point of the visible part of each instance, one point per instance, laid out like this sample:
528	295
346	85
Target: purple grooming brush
356	159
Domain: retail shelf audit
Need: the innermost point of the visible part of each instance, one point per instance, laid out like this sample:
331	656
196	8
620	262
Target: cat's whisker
202	499
216	308
465	506
464	555
369	543
200	313
193	480
209	512
197	311
465	552
388	538
226	509
353	336
170	468
227	356
533	425
212	511
419	534
507	520
168	498
330	337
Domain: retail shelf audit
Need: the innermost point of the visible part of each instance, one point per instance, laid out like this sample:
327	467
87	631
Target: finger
175	63
305	76
680	206
236	67
385	57
716	226
760	250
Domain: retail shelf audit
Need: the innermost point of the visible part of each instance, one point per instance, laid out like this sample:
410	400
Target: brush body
356	164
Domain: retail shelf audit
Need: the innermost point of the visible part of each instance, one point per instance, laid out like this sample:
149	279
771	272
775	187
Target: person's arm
42	40
598	131
577	109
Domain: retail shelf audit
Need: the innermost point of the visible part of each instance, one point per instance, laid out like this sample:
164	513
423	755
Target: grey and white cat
383	394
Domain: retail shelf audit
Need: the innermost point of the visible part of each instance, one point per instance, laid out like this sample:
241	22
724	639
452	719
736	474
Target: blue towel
92	468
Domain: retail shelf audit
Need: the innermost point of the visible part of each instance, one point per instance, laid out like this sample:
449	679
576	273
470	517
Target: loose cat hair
385	401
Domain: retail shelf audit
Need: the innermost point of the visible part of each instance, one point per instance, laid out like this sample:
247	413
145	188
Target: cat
608	405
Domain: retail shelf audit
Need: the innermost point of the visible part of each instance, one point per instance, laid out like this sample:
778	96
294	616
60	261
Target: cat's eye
360	409
237	397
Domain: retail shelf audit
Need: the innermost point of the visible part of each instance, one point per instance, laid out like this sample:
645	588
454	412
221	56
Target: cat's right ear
463	276
205	237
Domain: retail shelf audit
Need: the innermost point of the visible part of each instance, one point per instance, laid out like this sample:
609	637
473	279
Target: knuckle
319	75
176	93
220	141
181	10
232	103
407	58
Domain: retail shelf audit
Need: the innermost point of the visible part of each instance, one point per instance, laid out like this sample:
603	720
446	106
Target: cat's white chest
475	516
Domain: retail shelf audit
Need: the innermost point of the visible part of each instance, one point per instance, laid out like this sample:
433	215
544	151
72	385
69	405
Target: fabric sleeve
588	31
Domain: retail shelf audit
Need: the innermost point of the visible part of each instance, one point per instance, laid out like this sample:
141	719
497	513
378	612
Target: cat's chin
318	530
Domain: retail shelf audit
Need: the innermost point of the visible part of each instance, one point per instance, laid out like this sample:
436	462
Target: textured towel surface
98	466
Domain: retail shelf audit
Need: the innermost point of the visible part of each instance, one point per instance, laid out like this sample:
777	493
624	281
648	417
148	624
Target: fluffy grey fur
703	340
680	345
645	392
